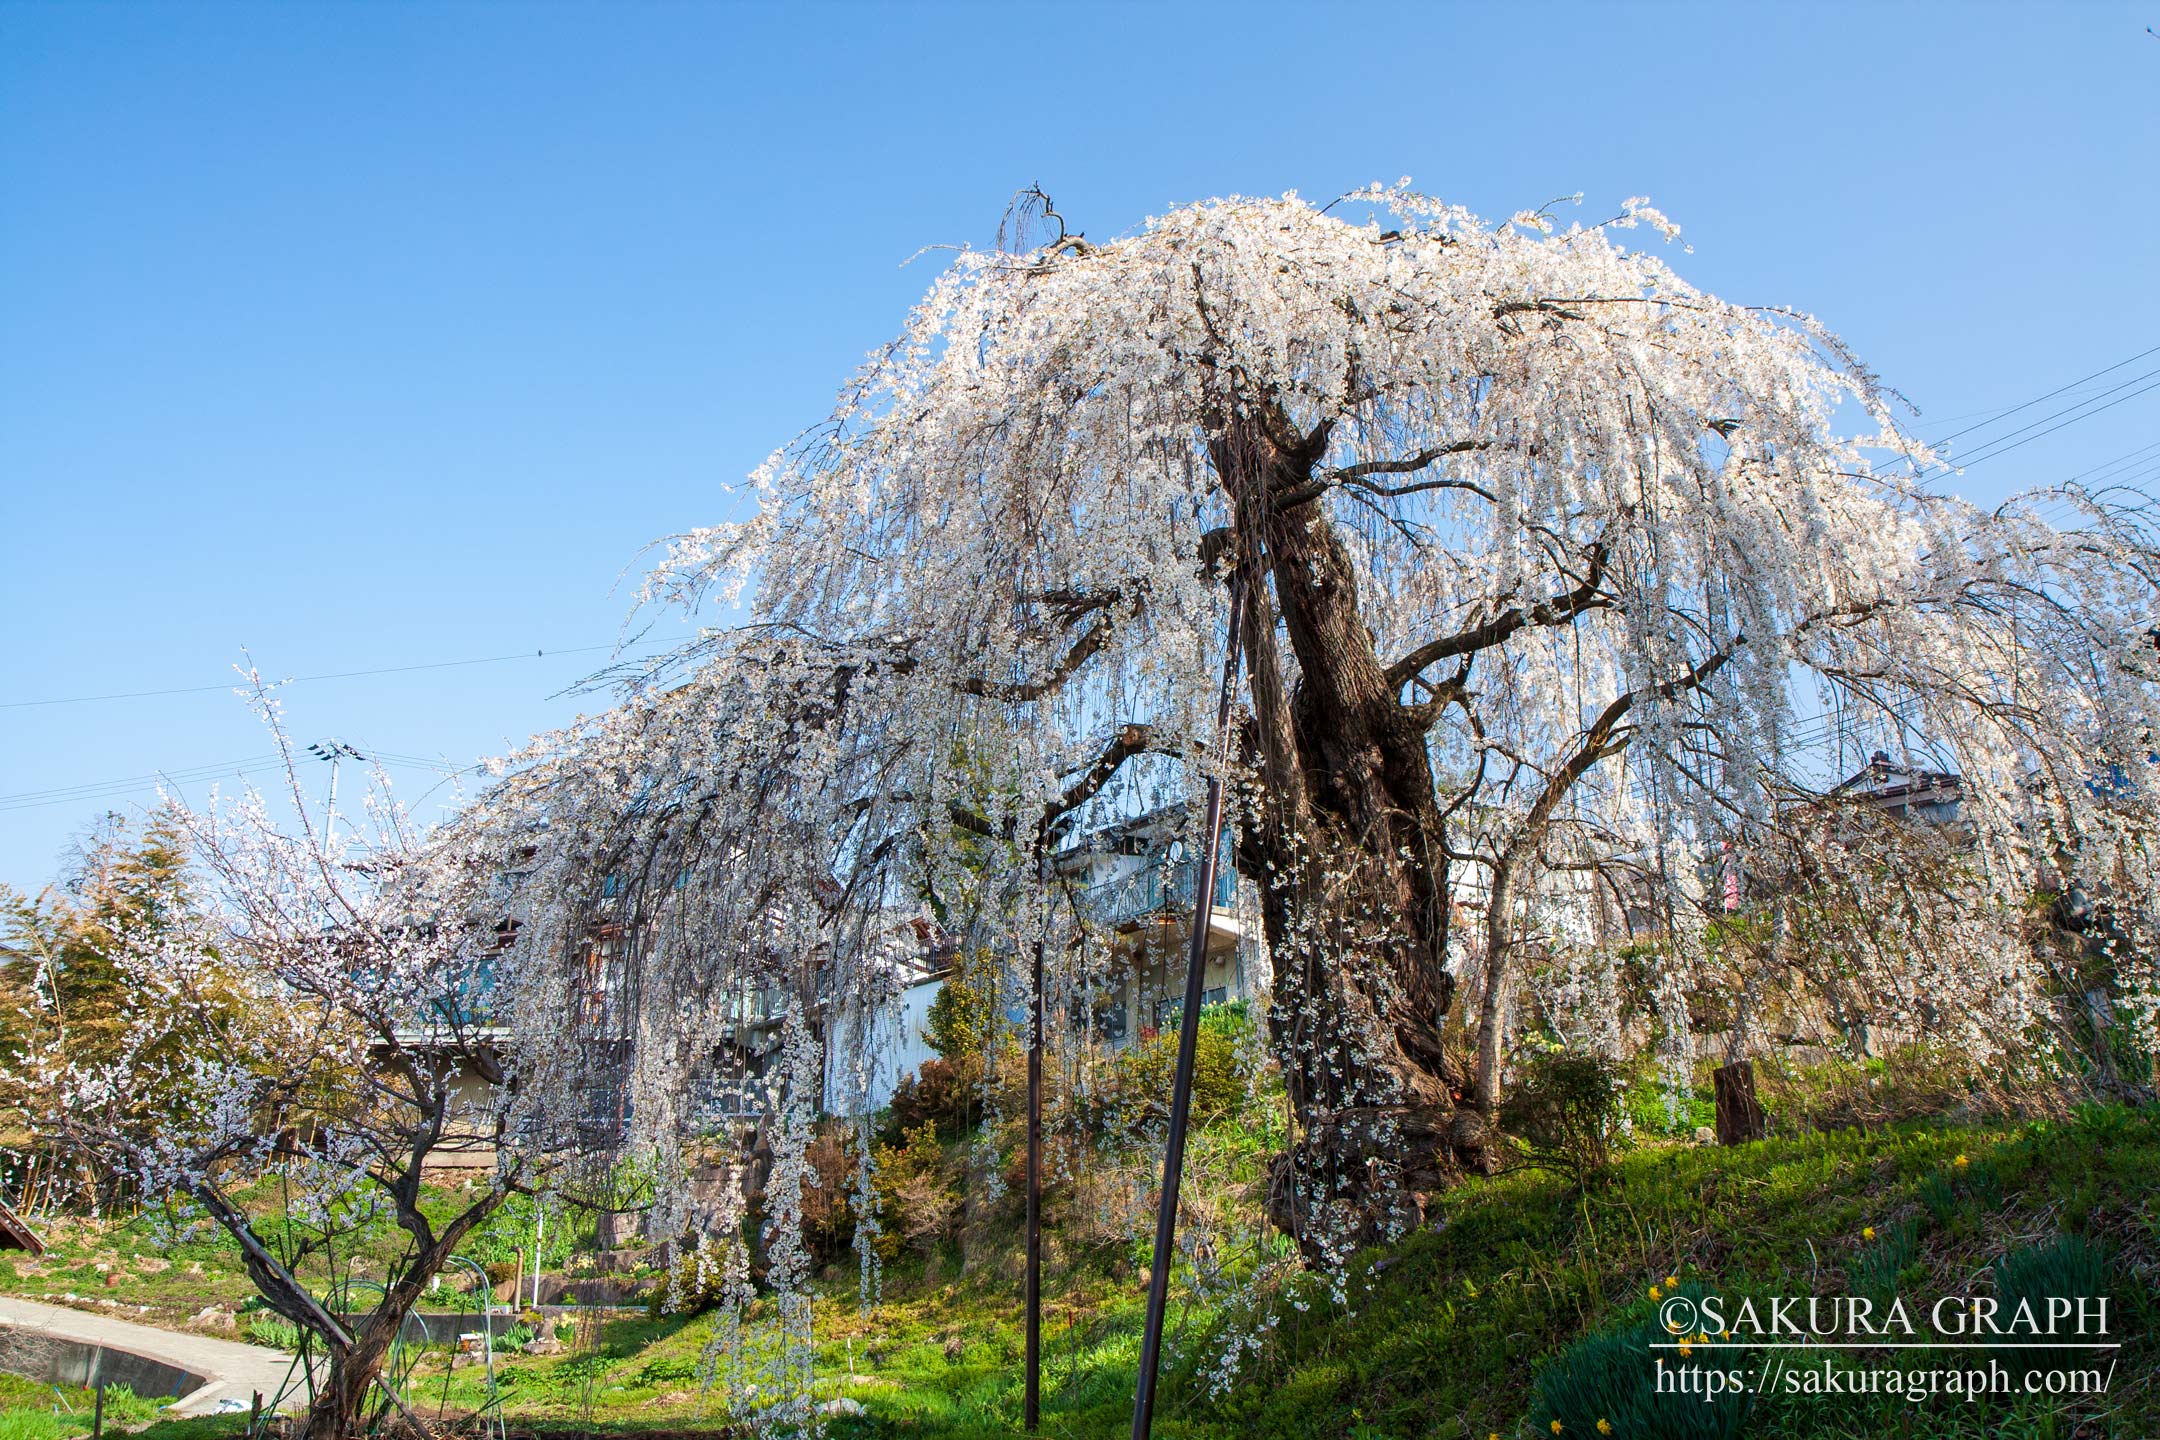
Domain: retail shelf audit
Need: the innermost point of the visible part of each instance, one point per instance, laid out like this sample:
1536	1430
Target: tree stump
1739	1113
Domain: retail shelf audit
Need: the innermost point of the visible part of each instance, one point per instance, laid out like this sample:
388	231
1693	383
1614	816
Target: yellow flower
1961	1162
1604	1426
1685	1348
1672	1282
1867	1232
1556	1427
1654	1292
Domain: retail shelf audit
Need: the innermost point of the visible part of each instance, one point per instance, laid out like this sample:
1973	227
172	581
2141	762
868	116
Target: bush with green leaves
696	1281
1565	1112
1136	1093
919	1198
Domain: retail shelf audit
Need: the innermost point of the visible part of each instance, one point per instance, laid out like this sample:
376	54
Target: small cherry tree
294	1047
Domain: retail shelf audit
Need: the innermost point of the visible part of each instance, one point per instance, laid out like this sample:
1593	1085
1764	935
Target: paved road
233	1371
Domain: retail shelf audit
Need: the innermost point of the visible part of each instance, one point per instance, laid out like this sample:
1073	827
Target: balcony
1153	892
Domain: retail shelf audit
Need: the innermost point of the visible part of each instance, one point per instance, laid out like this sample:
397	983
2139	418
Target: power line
2035	400
301	679
115	789
2128	457
193	772
235	769
1995	447
2059	390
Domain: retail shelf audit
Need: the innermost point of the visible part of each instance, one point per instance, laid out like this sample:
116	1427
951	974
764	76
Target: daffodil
1556	1427
1654	1292
1672	1282
1685	1348
1867	1232
1961	1162
1604	1426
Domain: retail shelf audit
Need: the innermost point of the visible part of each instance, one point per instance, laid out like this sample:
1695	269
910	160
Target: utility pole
333	751
1143	1419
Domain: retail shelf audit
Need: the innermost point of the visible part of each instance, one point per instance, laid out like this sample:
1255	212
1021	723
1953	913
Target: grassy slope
1450	1336
1450	1327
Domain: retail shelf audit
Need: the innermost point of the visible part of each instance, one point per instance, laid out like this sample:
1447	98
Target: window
1110	1021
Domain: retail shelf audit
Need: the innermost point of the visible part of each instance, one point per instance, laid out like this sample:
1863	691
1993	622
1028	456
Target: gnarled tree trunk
1345	840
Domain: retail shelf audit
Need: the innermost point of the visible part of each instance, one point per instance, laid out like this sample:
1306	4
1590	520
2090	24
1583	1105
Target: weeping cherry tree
1544	556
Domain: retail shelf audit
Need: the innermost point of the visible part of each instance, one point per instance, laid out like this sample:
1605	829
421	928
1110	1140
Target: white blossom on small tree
302	1036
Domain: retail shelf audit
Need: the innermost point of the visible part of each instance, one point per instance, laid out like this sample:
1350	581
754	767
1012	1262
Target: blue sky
379	336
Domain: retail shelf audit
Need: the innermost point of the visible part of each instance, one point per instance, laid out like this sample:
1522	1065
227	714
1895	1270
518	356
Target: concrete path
231	1371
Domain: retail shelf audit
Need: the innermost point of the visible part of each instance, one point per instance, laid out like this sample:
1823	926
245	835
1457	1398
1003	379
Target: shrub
917	1203
1611	1375
1136	1094
1565	1111
940	1094
695	1282
958	1022
1654	1109
2060	1273
828	1206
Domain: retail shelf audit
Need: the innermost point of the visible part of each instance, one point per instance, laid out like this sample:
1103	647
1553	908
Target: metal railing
1160	889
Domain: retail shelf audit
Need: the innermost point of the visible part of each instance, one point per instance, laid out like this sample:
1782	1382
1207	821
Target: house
869	1050
1134	882
1904	792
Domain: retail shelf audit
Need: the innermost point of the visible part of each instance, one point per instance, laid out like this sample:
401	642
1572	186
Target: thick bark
356	1369
1347	842
355	1356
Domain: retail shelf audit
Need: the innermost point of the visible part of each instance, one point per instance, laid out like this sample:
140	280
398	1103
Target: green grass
145	1268
33	1410
1448	1333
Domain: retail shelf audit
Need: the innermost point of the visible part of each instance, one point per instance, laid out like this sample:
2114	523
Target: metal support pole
1032	1409
1143	1417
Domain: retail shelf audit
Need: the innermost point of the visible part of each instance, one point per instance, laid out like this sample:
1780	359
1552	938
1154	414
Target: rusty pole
1143	1419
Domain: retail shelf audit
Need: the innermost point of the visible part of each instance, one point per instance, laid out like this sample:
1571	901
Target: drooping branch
1130	740
1356	474
1559	610
1023	692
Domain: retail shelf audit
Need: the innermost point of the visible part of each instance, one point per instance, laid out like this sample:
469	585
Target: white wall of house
883	1052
